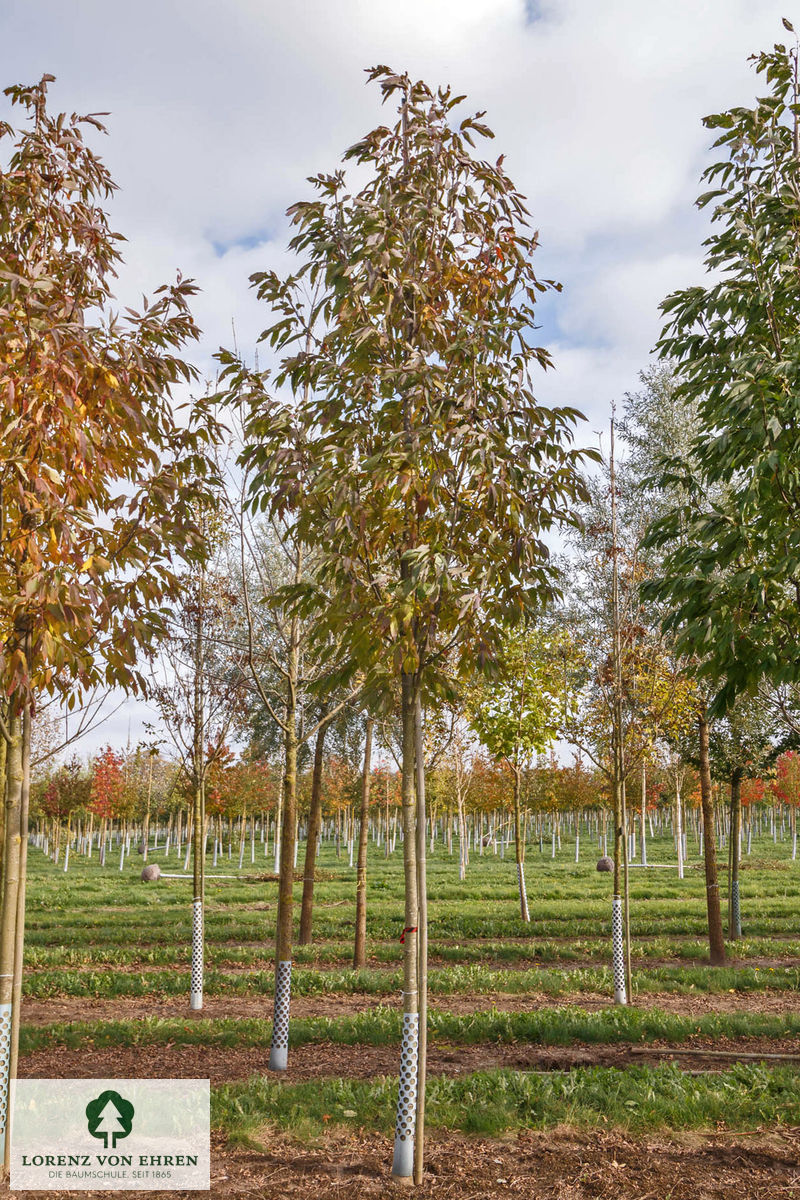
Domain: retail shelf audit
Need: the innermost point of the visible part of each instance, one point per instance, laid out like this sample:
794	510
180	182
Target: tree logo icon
109	1117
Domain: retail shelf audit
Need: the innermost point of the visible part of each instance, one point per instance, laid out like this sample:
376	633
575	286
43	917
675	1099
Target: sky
218	113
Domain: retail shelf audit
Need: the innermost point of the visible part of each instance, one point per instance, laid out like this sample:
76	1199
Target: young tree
517	715
741	746
730	575
67	791
422	471
288	666
108	785
198	691
94	461
661	422
732	538
360	943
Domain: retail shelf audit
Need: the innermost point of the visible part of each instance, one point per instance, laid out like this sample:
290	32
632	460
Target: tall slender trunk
679	828
198	850
19	932
627	893
360	945
403	1161
312	838
422	943
644	814
715	937
278	835
618	755
3	782
734	906
146	831
279	1051
519	844
8	923
463	846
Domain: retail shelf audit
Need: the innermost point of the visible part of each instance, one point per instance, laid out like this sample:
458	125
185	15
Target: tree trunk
715	937
734	908
403	1160
279	1052
3	782
422	945
11	878
463	846
360	945
519	846
617	923
312	838
19	932
644	813
679	828
198	865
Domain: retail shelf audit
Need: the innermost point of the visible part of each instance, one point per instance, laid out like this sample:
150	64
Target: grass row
382	1026
492	1102
442	981
532	949
167	921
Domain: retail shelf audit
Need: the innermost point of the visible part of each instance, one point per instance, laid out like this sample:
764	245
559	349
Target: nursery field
538	1085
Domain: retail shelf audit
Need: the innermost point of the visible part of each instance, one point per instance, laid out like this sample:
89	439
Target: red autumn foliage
108	784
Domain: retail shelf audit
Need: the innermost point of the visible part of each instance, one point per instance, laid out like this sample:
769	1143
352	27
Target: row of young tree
134	799
363	527
136	788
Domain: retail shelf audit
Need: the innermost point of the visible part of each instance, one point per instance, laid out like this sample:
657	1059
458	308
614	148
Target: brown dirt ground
69	1008
561	1164
221	1064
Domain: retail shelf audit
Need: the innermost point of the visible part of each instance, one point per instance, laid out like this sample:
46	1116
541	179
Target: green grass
382	1026
492	1102
84	926
99	932
443	981
339	953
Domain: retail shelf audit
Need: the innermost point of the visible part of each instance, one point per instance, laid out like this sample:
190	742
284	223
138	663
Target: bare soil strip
561	1164
222	1064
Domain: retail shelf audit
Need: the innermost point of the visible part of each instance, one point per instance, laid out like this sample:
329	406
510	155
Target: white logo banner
110	1134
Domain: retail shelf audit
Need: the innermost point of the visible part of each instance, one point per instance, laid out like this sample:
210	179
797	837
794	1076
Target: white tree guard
405	1128
577	847
196	997
279	1051
618	951
736	911
66	858
5	1065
